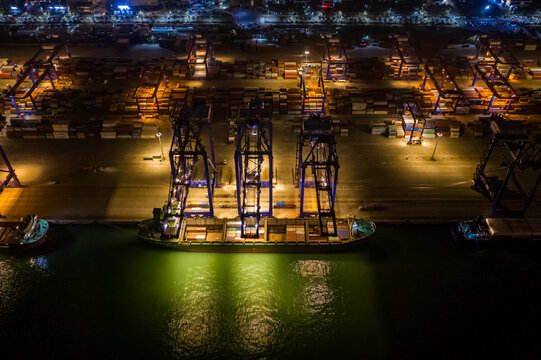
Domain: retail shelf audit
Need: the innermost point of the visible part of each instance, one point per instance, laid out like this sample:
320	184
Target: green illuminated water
96	292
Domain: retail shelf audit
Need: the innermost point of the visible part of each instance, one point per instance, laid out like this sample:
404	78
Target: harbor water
96	292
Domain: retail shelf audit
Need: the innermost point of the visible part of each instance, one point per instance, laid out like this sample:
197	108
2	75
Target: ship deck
275	235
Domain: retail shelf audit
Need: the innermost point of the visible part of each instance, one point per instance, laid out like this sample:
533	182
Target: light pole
306	52
436	146
159	136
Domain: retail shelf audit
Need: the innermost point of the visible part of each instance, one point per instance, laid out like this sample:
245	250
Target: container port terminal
411	124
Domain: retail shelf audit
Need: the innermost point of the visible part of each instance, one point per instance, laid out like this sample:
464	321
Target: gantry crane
316	154
336	58
187	150
145	94
443	81
38	68
199	56
10	177
414	121
253	152
502	91
312	87
494	51
405	57
515	154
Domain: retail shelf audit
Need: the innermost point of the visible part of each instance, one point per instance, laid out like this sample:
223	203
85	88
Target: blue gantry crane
253	152
503	93
450	94
494	50
336	58
316	154
38	68
186	153
414	121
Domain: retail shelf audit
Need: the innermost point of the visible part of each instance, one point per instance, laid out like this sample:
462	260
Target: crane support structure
312	87
145	94
444	83
198	58
33	67
253	168
316	154
511	184
414	121
501	89
406	59
336	58
10	177
494	51
186	154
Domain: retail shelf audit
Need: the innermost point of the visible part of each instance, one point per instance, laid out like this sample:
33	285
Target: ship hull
38	239
247	246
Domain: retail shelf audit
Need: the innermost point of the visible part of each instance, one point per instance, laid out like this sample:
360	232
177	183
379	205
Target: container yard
397	90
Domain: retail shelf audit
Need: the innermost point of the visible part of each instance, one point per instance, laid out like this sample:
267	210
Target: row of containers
405	127
284	101
293	231
106	129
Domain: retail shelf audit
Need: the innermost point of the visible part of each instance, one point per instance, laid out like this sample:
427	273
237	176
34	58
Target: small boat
275	235
482	229
26	233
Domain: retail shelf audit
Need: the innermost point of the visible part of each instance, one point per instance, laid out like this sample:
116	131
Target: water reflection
41	264
316	296
8	288
255	316
194	314
249	305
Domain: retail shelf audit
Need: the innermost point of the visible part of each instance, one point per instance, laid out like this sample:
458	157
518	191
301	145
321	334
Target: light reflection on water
14	277
248	304
41	264
185	305
316	295
194	315
8	288
255	316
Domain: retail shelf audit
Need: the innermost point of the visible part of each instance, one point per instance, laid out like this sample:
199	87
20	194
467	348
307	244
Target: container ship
274	235
27	233
484	229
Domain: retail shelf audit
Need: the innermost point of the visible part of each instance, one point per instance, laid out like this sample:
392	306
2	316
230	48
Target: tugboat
24	234
475	230
275	235
483	229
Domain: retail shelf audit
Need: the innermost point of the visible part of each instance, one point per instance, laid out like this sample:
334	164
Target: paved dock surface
373	170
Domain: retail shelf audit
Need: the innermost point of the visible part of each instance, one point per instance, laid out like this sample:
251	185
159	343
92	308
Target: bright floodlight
487	7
